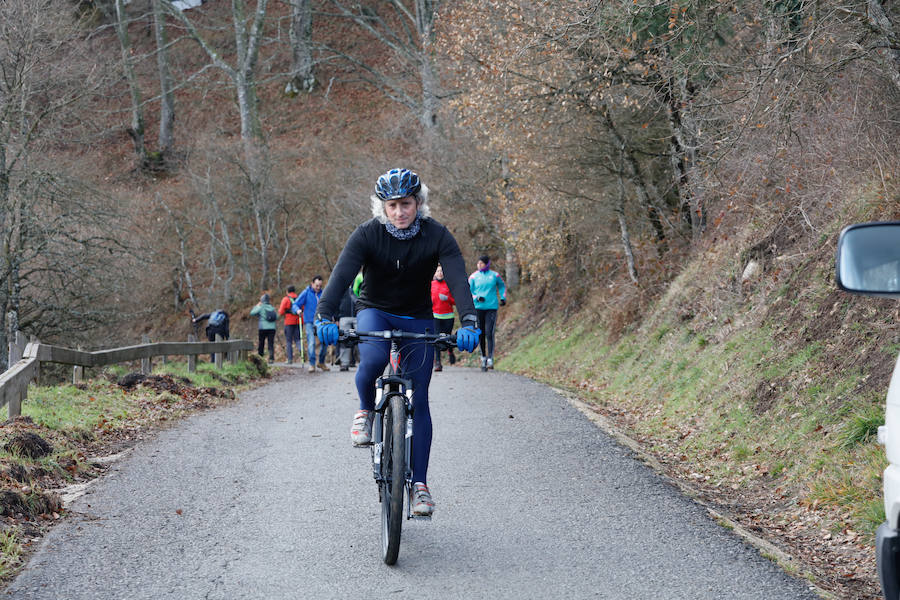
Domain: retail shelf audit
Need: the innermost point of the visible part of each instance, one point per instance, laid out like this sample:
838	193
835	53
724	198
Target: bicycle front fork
378	438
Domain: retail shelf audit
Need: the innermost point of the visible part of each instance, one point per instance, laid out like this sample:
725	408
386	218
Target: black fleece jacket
397	273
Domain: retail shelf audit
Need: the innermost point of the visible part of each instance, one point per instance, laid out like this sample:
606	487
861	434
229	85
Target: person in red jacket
291	324
442	308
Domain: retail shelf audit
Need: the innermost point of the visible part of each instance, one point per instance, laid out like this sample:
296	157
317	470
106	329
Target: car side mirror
868	259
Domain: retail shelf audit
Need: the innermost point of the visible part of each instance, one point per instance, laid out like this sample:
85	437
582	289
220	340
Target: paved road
267	499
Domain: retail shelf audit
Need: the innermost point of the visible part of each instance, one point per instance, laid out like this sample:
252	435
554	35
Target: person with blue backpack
268	322
216	324
305	306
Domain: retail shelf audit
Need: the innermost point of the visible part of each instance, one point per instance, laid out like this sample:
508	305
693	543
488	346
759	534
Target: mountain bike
392	431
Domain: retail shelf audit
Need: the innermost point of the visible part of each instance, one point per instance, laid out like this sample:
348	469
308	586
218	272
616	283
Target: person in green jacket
268	323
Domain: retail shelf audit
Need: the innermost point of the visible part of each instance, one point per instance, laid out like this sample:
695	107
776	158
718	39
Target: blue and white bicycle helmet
397	183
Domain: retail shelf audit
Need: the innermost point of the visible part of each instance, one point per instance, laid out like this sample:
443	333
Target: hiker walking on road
442	304
291	324
305	305
268	322
488	293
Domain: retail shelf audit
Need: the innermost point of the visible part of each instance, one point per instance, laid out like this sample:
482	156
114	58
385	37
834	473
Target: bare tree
183	271
248	36
407	30
57	234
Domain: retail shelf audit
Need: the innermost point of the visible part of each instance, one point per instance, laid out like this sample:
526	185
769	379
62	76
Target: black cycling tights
487	321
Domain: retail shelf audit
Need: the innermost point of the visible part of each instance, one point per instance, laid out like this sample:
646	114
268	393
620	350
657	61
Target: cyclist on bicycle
398	251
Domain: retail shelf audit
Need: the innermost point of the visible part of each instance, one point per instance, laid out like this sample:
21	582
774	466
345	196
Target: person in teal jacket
268	322
488	293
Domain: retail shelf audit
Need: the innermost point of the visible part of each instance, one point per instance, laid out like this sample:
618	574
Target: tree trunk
279	269
683	152
512	261
303	78
623	228
167	96
136	130
512	268
879	20
425	11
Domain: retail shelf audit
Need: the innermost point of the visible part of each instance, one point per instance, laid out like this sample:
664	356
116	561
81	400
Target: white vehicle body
889	435
868	262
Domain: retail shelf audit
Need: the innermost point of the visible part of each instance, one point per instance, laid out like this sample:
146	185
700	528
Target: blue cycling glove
467	338
327	331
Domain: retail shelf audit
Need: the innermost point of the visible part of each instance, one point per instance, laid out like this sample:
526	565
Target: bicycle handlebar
441	340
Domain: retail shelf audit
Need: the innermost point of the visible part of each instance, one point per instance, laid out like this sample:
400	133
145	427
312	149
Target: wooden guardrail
14	381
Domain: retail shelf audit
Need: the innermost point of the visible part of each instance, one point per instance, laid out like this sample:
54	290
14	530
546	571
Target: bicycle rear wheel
393	465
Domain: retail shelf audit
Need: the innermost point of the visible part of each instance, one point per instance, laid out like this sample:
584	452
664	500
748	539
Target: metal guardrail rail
14	381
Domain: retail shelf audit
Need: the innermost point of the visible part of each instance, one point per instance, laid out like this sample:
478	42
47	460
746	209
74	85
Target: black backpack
270	315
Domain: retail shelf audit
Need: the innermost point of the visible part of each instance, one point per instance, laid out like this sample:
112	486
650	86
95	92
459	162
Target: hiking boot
420	500
361	430
490	363
312	368
484	363
438	368
324	367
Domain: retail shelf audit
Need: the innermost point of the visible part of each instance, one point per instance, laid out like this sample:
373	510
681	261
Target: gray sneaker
361	431
490	363
420	500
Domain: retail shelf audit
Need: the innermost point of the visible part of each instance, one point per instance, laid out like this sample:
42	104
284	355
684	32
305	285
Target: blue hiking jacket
305	304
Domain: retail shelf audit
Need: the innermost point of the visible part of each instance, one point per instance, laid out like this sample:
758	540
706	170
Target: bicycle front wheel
393	464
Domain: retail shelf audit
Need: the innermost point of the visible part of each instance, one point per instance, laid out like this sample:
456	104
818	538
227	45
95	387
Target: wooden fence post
16	347
146	363
219	355
37	367
14	408
192	358
77	372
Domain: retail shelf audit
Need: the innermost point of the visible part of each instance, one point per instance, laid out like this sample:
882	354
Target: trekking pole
302	341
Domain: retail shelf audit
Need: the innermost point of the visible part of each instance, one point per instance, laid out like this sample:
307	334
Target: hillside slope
762	393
